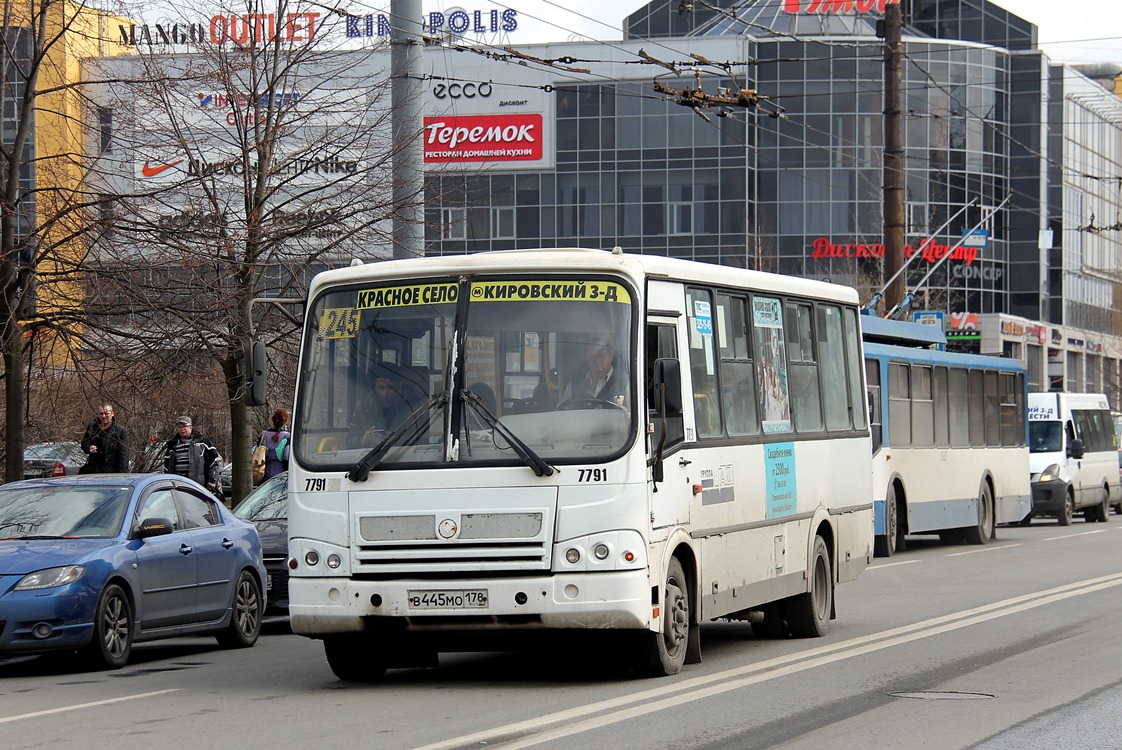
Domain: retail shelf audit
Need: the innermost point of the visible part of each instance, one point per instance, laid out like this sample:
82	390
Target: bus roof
562	260
899	332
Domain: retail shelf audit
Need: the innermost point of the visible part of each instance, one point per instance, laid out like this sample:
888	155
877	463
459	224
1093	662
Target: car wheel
245	619
1102	510
1064	516
113	629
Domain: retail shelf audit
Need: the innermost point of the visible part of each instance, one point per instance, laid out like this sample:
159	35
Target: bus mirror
1075	449
254	373
667	379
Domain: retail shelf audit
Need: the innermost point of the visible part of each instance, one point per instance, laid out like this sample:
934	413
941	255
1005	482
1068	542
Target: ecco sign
462	90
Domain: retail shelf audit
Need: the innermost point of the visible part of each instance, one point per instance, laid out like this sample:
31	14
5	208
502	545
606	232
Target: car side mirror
1075	449
154	527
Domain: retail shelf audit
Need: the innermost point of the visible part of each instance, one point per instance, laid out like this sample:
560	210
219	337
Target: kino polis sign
257	28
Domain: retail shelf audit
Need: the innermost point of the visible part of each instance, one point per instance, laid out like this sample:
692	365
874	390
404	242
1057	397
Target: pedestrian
106	443
189	454
276	445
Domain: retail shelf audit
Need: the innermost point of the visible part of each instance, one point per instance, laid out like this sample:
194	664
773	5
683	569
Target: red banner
513	137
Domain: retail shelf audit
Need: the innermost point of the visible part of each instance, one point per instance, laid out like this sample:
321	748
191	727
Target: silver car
52	460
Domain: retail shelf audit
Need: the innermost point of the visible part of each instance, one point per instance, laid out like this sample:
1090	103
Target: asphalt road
1013	644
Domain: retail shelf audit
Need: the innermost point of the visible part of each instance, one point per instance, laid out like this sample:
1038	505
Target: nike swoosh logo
148	171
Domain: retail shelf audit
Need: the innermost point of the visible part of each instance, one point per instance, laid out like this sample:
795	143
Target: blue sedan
98	562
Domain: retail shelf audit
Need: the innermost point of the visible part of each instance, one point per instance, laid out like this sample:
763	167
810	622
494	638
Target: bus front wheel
664	653
354	659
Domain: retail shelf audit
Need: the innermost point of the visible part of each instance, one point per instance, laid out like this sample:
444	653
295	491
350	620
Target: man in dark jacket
189	454
106	442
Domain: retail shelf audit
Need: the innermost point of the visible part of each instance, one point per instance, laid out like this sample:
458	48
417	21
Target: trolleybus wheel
983	531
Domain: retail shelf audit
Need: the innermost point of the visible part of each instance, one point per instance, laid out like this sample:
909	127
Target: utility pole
893	161
407	169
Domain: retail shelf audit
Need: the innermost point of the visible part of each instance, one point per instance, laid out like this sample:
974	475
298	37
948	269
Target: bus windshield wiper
414	425
524	451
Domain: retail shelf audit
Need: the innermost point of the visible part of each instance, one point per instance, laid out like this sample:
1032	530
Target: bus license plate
448	599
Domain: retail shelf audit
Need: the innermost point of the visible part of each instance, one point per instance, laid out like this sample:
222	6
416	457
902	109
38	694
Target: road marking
1072	536
63	709
991	548
891	564
595	715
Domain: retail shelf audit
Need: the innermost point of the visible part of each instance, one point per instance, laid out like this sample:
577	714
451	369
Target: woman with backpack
276	442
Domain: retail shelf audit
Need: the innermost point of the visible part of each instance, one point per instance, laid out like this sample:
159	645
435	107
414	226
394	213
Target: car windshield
62	511
1045	436
266	503
540	365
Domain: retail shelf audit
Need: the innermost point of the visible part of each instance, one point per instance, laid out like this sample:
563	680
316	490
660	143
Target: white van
1073	458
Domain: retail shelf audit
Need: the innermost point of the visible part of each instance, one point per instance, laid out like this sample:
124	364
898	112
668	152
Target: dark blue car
97	562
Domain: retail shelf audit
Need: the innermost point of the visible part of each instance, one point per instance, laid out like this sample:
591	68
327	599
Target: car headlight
1051	474
50	577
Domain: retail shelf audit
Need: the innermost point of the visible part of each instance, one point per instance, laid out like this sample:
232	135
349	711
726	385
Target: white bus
592	444
949	451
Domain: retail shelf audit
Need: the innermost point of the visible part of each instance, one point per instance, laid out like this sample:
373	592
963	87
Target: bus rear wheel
663	653
354	658
808	615
983	531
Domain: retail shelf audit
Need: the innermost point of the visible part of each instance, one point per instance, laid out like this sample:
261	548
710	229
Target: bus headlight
607	551
311	557
334	561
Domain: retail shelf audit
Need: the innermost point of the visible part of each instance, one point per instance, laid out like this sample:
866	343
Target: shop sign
932	252
240	28
1012	328
964	321
837	6
478	138
1039	333
458	22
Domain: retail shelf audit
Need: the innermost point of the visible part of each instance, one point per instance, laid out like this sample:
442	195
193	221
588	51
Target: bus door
670	505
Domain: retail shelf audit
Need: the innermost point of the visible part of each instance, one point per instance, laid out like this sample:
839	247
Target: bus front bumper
621	599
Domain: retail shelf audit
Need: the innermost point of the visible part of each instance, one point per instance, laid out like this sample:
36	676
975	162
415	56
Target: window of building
105	129
502	222
680	218
453	223
916	217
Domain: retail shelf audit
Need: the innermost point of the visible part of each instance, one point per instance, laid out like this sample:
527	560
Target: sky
1069	30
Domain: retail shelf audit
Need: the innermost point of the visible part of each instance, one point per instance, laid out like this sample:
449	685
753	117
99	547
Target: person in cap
389	403
189	454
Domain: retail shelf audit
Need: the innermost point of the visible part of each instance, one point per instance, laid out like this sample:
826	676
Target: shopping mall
752	137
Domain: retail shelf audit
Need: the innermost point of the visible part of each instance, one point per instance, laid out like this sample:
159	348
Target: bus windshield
435	371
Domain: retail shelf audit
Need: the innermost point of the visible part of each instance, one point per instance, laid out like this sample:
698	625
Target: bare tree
232	173
42	208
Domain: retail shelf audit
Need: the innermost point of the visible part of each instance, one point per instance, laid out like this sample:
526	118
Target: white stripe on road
1072	536
63	709
592	716
990	548
879	566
